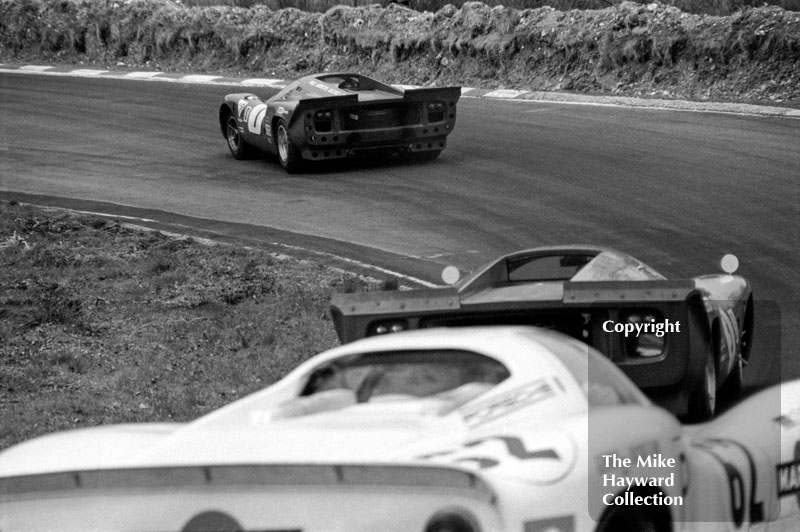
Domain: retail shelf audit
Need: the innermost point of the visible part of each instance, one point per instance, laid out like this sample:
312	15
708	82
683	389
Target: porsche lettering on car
684	341
335	115
485	429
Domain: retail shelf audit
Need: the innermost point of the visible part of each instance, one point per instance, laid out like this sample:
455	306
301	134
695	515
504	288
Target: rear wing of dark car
445	95
671	316
360	315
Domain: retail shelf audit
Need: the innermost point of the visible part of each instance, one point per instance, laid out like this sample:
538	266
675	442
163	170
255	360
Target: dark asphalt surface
676	189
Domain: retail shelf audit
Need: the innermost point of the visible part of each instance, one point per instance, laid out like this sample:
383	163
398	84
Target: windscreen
414	374
546	267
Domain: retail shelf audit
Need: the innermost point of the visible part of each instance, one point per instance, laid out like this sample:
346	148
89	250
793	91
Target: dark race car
683	341
334	115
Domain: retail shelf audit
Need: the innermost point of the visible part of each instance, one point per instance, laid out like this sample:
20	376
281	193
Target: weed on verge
104	323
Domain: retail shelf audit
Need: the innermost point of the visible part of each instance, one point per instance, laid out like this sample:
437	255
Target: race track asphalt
677	189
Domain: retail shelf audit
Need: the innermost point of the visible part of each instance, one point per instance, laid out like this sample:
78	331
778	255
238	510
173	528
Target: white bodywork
525	454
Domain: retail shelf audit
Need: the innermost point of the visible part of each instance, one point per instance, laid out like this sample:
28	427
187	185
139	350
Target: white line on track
504	94
147	76
107	215
359	264
667	105
88	72
140	75
263	82
198	78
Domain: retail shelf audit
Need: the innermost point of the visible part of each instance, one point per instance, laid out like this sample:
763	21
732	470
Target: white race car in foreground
468	430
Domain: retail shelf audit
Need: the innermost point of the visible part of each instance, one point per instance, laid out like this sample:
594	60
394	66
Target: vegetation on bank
104	323
701	7
628	49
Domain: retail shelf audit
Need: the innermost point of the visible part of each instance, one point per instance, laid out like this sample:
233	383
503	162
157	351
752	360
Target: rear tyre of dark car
733	384
703	401
288	154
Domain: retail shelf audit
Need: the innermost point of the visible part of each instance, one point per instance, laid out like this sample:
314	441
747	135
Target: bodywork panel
531	466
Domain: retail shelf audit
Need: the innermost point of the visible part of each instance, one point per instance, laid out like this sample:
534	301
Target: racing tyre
703	401
288	154
747	330
239	148
733	384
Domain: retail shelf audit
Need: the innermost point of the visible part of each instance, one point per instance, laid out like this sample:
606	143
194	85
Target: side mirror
729	263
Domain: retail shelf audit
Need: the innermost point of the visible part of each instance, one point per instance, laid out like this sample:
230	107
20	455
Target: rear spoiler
409	95
224	476
627	291
432	93
353	314
395	301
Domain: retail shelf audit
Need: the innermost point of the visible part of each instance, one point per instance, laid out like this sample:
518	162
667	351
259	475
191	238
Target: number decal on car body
731	330
513	446
255	118
740	499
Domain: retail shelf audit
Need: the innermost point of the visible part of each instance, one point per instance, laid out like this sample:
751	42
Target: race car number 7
255	118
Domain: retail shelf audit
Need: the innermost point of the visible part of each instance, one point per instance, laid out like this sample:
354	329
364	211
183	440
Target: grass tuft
56	303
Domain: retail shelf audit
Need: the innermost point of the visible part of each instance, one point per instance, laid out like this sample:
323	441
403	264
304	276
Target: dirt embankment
630	49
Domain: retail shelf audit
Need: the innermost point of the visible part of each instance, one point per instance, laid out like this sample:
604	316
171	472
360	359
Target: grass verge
104	323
